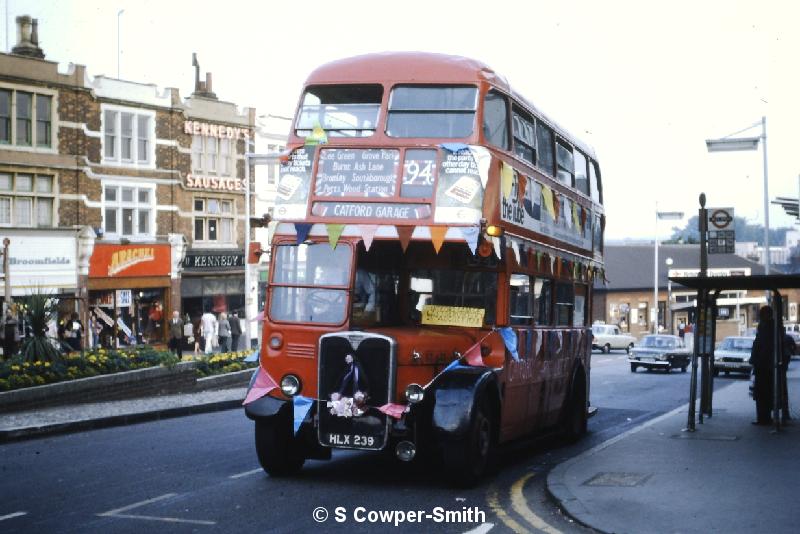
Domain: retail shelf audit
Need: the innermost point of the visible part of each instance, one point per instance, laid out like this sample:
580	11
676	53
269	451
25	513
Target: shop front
212	280
129	293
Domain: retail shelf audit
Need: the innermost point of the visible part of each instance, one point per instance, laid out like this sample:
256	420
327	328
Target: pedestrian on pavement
236	331
73	332
761	358
176	334
224	329
208	326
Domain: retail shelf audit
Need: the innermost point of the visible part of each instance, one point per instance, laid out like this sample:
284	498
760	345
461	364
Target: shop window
213	220
27	200
129	211
128	136
26	118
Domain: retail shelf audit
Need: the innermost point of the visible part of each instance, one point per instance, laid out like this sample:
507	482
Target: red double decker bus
435	242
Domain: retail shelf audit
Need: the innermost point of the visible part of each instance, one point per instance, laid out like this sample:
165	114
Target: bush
228	362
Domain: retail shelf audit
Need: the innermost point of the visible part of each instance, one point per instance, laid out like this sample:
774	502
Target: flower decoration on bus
352	381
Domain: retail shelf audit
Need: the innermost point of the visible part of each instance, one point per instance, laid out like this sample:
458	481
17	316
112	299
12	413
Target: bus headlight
290	385
414	393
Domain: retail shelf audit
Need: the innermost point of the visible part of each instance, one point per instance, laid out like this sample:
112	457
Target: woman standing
761	358
224	330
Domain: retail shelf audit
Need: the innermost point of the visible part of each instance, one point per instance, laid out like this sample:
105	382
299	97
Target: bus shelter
708	289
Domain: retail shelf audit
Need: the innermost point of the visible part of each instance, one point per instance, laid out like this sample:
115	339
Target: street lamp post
664	215
668	308
733	144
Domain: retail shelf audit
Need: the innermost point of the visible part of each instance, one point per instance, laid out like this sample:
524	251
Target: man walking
236	331
208	325
176	334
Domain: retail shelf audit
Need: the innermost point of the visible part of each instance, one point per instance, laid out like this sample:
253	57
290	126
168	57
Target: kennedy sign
213	260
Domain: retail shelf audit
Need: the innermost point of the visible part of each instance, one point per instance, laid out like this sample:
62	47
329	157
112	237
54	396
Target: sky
644	83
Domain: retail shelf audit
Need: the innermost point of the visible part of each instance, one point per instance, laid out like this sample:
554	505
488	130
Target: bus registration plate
353	440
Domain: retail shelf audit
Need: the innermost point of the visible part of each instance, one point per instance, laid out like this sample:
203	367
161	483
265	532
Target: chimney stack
28	38
201	88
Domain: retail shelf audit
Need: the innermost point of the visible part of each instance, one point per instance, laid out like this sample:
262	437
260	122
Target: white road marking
12	516
117	512
247	473
482	529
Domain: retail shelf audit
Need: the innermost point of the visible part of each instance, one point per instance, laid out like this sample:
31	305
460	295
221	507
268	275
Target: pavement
71	418
726	476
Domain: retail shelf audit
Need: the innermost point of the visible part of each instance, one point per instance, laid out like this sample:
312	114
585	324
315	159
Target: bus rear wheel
468	459
277	450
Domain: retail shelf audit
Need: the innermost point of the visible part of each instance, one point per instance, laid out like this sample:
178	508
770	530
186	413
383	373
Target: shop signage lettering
48	260
215	130
122	259
214	183
213	261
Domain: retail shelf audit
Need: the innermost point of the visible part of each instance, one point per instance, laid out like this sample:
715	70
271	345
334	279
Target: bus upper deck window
495	119
340	110
581	179
431	111
594	181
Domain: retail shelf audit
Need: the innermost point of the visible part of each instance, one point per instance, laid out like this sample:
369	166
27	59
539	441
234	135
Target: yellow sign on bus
452	316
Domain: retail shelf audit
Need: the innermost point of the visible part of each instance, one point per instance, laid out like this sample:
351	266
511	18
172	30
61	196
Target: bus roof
424	68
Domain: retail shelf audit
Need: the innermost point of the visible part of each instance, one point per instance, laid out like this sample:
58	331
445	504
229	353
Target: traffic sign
721	234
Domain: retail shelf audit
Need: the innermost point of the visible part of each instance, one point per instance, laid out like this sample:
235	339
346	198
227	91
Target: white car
733	355
607	337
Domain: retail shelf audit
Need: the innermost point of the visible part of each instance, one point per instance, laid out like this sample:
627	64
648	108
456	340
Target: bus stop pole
693	382
702	331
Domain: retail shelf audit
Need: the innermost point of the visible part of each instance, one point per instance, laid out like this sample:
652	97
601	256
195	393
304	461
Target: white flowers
346	406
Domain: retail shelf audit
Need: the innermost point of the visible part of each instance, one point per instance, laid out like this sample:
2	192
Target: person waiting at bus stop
762	360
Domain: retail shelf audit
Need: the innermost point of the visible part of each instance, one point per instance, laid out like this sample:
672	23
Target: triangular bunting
302	405
515	250
556	205
367	233
522	185
547	198
437	237
302	230
262	385
497	248
473	356
334	233
506	179
470	235
404	233
317	137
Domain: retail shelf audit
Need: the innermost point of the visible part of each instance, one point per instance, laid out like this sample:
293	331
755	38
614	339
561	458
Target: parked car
607	337
733	354
660	352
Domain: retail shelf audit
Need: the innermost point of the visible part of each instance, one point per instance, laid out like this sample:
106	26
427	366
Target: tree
744	232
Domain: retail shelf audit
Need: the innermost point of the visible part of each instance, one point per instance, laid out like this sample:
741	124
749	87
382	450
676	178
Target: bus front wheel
468	459
277	451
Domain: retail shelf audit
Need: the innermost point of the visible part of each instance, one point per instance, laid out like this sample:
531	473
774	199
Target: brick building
125	200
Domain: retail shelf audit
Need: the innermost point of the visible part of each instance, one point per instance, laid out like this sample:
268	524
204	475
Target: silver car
733	354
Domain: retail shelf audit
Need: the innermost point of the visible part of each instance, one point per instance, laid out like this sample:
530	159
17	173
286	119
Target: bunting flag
556	204
302	230
470	235
473	355
552	264
437	237
334	233
510	341
575	219
497	246
565	204
539	340
262	385
404	234
506	179
454	147
317	137
271	227
393	410
547	198
302	405
368	234
524	254
529	345
583	217
522	185
515	250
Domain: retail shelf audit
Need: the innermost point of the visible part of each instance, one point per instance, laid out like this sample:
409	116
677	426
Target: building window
27	200
26	118
211	155
213	220
128	136
129	211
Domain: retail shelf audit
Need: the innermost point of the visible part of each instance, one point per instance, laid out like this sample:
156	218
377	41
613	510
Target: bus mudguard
455	394
265	407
